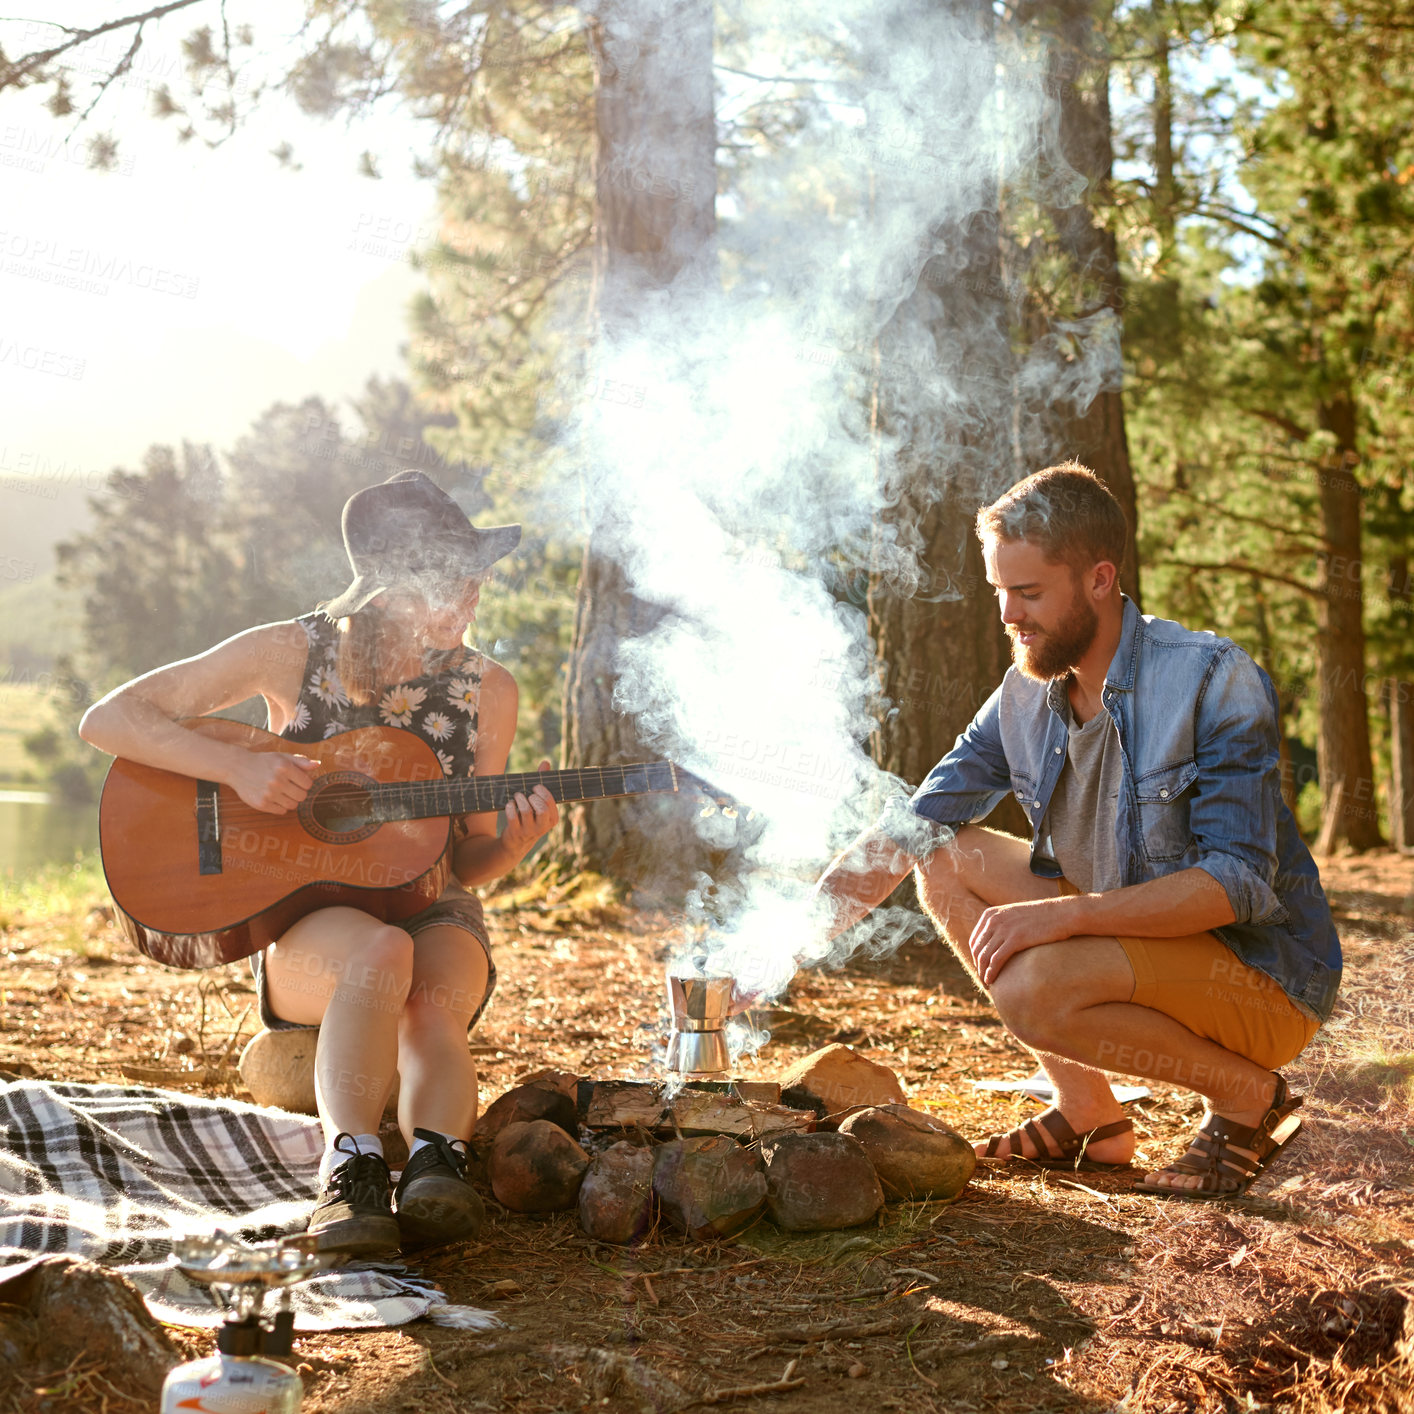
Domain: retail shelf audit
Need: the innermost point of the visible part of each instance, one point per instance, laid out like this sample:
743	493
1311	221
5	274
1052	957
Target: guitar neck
475	795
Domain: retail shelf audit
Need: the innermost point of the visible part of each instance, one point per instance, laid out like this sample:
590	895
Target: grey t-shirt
1082	812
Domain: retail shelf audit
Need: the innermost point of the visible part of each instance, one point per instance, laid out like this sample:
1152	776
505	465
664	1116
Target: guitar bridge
208	827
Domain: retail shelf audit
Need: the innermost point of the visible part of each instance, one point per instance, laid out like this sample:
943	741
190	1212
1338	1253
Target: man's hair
1066	510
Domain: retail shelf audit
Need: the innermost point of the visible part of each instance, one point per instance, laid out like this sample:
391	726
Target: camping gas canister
233	1381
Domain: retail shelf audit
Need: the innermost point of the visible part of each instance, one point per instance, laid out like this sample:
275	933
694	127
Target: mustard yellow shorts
1199	981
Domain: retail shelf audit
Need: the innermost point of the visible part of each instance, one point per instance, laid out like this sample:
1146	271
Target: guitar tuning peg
729	812
708	810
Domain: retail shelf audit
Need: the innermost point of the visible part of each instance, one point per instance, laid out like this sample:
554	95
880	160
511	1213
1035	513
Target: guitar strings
237	812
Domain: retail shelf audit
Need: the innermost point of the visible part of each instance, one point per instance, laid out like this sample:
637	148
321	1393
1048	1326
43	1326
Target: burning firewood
744	1111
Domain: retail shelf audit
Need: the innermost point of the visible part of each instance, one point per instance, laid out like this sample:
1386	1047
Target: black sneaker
435	1201
353	1215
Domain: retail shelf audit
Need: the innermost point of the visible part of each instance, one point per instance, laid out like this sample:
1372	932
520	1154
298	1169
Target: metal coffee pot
701	1007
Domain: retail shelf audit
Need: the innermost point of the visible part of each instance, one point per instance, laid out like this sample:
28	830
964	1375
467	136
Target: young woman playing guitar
389	1000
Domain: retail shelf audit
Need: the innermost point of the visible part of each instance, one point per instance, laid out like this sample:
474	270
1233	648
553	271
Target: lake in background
36	829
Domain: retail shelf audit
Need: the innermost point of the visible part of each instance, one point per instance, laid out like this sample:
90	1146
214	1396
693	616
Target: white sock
336	1155
458	1144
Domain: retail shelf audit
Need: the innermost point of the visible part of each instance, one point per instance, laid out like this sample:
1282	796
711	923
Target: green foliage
28	715
193	549
1290	329
508	91
55	891
155	583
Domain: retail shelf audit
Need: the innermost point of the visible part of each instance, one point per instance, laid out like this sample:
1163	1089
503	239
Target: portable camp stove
241	1378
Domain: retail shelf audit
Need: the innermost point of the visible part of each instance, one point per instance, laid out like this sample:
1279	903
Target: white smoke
748	485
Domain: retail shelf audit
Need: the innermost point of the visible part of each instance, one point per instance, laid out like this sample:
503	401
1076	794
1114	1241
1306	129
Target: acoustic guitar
201	878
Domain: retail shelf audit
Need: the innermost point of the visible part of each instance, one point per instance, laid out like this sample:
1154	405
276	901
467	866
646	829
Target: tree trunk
943	648
1348	814
1401	751
1286	699
1399	695
655	192
1088	428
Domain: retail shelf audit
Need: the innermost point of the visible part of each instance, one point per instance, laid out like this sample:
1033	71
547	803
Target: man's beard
1057	650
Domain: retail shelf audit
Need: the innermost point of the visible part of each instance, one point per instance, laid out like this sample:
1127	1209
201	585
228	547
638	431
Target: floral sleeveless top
441	705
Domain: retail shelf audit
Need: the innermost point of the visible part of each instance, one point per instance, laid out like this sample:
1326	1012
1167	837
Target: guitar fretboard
472	795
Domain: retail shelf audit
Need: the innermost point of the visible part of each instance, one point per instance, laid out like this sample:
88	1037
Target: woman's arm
483	856
139	720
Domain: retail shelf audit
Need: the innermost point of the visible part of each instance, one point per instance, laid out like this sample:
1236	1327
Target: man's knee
949	871
1030	996
982	864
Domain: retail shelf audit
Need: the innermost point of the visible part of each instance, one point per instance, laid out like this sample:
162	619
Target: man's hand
1010	928
744	1000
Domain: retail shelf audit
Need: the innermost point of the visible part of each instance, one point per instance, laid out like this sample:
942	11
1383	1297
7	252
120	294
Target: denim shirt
1197	722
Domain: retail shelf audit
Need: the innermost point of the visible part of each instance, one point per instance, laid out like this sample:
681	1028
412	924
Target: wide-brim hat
407	531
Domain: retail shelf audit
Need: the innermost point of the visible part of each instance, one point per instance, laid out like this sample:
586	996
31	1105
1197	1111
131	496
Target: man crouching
1166	920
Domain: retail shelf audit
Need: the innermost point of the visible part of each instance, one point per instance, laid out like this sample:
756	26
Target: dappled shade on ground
1036	1290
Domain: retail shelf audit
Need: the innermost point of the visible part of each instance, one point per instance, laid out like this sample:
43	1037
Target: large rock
817	1182
277	1067
710	1186
914	1154
616	1197
524	1104
536	1167
837	1079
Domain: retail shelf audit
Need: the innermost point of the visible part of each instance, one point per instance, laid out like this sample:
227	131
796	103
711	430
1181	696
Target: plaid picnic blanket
115	1174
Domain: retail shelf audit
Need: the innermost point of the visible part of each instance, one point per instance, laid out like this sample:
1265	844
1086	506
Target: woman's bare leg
435	1065
344	971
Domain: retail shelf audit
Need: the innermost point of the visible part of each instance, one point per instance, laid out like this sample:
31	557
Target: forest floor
1035	1290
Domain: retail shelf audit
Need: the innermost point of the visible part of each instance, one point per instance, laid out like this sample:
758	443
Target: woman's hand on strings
529	818
273	781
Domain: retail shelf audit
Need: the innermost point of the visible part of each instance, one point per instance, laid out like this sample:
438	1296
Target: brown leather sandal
1215	1158
1071	1146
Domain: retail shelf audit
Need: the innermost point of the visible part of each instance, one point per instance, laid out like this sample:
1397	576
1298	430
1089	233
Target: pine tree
1266	445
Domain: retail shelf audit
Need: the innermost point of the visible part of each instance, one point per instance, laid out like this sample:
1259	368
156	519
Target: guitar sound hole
343	809
340	809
